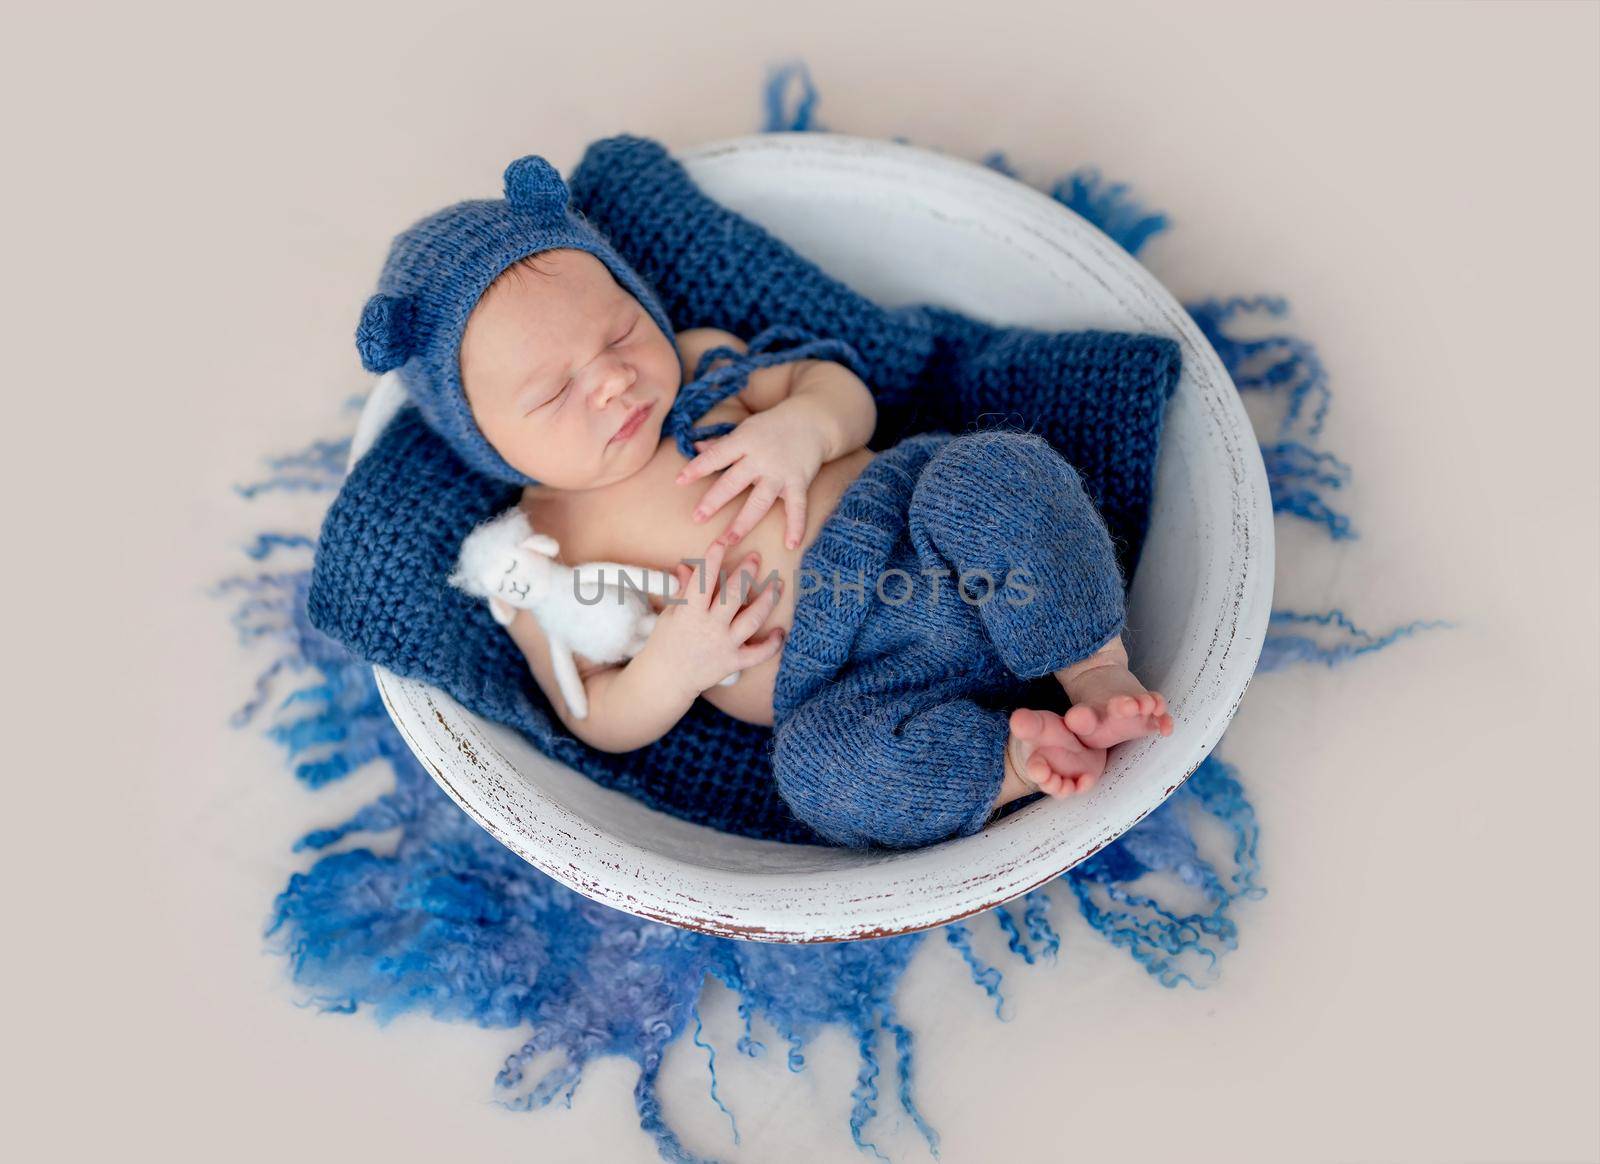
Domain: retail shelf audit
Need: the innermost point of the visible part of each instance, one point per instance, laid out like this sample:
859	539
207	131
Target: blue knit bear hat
434	276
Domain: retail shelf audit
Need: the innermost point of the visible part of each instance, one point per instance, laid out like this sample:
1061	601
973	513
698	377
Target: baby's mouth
631	425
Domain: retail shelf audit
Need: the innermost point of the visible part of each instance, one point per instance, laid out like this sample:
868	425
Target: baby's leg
865	765
1004	510
1007	504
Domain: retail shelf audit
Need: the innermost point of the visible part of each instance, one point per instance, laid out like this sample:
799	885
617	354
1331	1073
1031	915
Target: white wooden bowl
904	225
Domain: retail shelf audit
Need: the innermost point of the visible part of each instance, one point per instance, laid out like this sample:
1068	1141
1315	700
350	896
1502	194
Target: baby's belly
647	520
750	698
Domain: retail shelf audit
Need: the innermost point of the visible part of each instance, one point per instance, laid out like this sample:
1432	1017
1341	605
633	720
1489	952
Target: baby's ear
384	335
534	186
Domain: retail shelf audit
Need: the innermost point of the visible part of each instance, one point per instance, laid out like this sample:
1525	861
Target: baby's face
558	368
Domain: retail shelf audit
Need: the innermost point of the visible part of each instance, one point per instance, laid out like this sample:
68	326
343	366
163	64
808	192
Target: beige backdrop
198	200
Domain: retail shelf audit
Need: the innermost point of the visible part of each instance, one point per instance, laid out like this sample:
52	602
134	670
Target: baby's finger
738	587
759	650
755	508
723	490
703	582
712	458
794	512
682	573
756	612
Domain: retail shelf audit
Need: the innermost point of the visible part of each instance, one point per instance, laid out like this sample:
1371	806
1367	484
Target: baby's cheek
493	430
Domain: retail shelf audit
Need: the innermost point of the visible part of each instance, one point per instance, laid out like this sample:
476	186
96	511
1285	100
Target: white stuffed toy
505	561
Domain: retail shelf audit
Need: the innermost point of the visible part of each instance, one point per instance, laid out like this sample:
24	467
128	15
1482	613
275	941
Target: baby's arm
830	397
839	404
630	705
799	417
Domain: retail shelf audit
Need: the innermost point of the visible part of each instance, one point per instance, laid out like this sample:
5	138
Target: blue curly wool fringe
452	924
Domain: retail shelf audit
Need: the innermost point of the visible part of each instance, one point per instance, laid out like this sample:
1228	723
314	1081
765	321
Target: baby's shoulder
695	342
763	388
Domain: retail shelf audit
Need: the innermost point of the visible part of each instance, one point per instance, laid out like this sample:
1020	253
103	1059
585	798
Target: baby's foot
1043	755
1109	705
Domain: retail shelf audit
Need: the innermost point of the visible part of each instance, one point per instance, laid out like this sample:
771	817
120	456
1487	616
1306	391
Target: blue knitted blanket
390	539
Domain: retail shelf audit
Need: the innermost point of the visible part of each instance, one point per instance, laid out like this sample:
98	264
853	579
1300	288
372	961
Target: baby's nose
615	382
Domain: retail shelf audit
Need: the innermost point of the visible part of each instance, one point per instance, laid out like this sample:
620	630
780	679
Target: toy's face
567	375
523	581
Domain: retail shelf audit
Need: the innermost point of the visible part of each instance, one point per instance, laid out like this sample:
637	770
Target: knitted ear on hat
533	186
384	335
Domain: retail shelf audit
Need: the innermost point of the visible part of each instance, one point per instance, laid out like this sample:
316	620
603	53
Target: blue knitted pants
953	568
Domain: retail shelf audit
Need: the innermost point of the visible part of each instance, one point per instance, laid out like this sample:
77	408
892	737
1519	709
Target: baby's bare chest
645	520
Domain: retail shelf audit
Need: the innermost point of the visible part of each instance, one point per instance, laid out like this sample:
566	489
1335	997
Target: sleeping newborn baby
867	600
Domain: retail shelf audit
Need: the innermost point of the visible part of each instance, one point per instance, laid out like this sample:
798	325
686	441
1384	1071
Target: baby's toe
1044	777
1081	720
1026	723
1078	770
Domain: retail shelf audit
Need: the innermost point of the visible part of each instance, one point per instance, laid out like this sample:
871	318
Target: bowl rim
861	895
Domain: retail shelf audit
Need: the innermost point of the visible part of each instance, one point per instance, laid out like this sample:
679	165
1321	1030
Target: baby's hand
703	637
779	451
